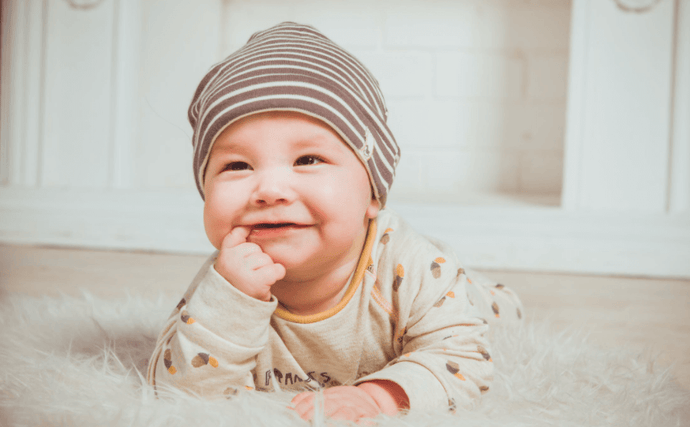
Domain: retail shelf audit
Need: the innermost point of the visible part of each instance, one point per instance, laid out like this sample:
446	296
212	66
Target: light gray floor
639	313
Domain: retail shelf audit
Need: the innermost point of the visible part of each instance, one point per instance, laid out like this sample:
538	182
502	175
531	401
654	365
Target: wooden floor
640	313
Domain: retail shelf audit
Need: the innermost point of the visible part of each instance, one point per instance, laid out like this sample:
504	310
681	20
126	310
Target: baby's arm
448	351
209	344
443	355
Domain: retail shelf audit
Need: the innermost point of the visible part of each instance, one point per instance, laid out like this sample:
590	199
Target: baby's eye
308	160
237	166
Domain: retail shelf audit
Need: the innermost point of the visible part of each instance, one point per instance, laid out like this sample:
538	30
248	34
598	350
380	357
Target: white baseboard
524	237
167	221
551	239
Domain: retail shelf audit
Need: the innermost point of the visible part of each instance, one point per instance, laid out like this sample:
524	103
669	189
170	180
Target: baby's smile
275	230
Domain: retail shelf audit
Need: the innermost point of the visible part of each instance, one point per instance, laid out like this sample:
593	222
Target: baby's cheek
211	232
343	195
215	224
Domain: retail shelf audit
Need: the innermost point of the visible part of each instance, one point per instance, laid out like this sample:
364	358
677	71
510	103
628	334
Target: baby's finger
236	236
246	249
270	274
305	411
344	413
304	405
304	396
279	271
307	414
256	260
366	421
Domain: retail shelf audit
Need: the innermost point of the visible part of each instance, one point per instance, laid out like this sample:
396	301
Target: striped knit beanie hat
293	67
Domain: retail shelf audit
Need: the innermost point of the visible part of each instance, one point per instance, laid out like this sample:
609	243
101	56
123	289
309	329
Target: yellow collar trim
364	262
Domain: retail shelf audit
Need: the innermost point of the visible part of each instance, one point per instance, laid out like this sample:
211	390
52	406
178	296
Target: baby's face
292	180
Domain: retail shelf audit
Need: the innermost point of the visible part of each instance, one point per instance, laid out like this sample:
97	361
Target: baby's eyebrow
308	143
228	147
316	141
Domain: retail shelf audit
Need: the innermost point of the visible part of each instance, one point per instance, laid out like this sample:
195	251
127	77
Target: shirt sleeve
443	354
209	344
496	302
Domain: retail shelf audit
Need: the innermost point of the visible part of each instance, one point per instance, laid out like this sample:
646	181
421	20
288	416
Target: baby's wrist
389	396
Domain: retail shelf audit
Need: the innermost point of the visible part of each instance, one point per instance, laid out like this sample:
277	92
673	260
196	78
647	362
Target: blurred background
538	135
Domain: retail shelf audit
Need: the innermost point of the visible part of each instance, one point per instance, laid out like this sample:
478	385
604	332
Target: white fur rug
79	362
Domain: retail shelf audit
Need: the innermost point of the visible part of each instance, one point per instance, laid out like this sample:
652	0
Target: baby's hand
246	266
340	403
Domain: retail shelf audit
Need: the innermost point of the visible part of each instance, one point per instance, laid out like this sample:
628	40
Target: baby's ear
373	209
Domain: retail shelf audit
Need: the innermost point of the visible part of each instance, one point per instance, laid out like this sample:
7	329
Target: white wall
95	146
475	89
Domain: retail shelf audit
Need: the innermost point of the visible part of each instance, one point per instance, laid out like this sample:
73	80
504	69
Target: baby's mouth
278	225
277	230
270	230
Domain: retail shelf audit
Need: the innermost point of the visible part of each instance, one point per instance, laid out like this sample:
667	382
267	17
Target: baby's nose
273	187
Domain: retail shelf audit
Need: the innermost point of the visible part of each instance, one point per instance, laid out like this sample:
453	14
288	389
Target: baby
315	285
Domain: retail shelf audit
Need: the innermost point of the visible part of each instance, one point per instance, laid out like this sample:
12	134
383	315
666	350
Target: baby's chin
299	265
295	265
289	255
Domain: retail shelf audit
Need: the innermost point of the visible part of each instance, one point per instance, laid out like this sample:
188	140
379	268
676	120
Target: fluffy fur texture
79	362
